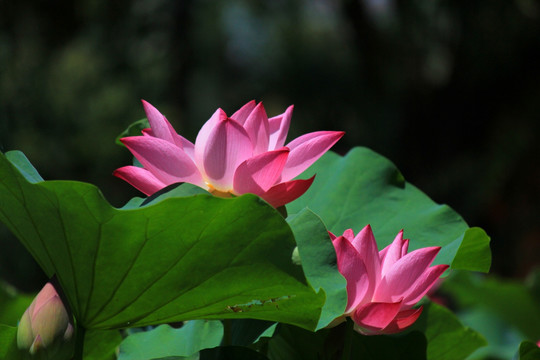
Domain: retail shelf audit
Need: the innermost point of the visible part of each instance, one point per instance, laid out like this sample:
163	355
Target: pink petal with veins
285	192
161	127
365	244
402	321
179	141
404	272
423	284
307	149
142	179
392	253
351	266
256	126
349	235
202	137
164	160
375	316
227	146
258	174
278	128
241	115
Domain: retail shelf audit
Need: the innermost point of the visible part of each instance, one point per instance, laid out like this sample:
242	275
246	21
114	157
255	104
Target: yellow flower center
212	190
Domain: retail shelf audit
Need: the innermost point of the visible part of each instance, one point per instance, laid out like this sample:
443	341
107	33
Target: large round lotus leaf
195	257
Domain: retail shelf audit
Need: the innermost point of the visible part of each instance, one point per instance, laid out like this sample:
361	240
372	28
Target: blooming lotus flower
383	286
45	329
243	153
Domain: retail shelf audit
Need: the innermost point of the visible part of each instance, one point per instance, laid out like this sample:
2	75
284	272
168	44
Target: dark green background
448	90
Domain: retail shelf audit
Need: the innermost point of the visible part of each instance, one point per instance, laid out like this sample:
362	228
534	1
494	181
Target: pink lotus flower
233	155
383	286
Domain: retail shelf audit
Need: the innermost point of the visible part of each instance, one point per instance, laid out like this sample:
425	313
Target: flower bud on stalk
46	330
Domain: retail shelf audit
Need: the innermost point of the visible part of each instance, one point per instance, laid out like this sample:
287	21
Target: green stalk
227	336
347	342
79	343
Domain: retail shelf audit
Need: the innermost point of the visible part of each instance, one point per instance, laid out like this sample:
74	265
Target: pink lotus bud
45	329
243	153
383	286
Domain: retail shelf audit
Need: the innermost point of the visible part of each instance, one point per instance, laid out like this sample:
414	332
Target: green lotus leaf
183	258
318	259
165	341
364	188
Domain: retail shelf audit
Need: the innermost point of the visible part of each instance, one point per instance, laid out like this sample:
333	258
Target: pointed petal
404	247
349	235
167	162
157	121
332	236
202	137
351	266
161	128
148	132
241	115
365	244
286	192
51	320
376	316
306	149
403	320
393	253
141	179
402	275
256	126
258	174
278	128
227	146
45	294
423	284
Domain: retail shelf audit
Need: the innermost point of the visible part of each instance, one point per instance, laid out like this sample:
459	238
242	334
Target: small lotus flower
45	329
243	153
383	286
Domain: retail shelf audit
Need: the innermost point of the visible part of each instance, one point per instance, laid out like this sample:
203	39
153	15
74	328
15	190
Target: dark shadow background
448	90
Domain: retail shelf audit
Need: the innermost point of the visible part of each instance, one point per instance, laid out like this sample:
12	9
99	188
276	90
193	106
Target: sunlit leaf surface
182	258
364	188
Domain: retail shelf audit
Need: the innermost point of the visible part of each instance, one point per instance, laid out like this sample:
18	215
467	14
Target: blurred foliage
505	312
447	90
